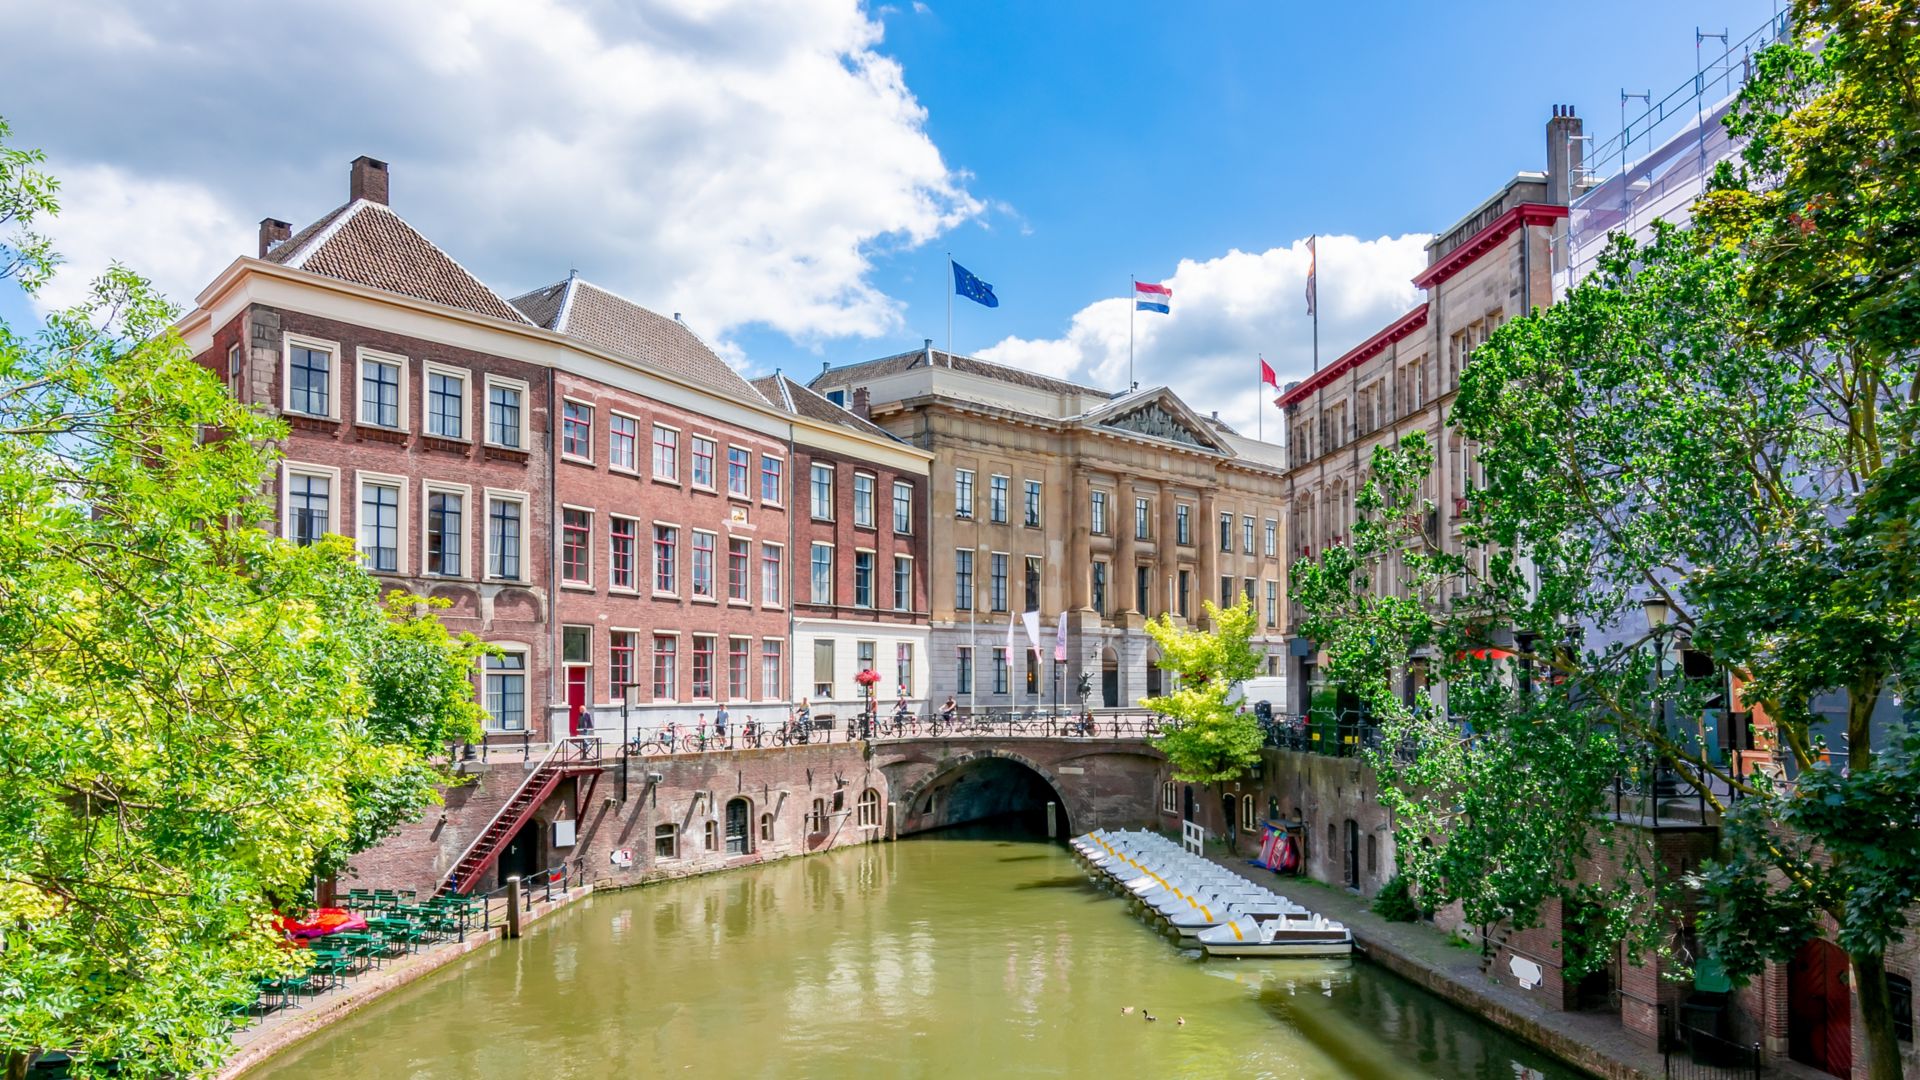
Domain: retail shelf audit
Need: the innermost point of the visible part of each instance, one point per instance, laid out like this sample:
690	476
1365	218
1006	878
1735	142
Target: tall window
997	500
903	667
1033	503
863	500
1226	531
863	579
446	405
666	667
771	686
868	809
902	583
309	509
702	667
1033	583
666	453
1226	590
1273	603
1186	588
506	690
1182	528
379	392
444	523
1143	588
739	470
621	552
739	569
1246	535
503	415
704	450
309	381
1272	537
623	442
770	469
1142	519
963	493
997	584
863	656
576	429
822	573
503	539
963	669
666	555
902	506
770	575
963	579
1100	587
1099	514
822	489
822	667
703	563
576	527
739	662
380	527
1001	681
620	654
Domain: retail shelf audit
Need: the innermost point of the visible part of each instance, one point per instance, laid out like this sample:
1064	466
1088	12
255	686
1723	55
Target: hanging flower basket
867	678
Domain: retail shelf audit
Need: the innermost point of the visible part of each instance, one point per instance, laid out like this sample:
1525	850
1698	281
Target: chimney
1566	154
928	349
862	403
272	231
368	180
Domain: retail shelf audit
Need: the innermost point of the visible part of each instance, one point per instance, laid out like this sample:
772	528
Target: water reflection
975	954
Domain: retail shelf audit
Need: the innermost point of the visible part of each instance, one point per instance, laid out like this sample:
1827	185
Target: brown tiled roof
582	310
890	365
789	396
368	244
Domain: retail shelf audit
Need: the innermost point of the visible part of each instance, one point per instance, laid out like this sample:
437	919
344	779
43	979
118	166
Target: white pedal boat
1314	935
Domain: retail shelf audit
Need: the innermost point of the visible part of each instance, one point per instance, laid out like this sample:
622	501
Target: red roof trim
1373	346
1483	241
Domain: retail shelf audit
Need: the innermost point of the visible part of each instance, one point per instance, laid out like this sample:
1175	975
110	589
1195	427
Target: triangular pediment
1158	416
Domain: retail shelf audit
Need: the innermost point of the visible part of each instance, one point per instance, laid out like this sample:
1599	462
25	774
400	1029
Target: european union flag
965	284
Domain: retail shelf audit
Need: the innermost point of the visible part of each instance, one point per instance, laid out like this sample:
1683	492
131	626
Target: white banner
1060	641
1032	619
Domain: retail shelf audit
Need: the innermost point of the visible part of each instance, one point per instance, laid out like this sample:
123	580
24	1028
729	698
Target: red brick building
585	482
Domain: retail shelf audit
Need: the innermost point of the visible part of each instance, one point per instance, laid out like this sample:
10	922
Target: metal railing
1694	1053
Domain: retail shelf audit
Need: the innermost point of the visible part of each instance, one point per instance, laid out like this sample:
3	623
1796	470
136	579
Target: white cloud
1227	312
734	160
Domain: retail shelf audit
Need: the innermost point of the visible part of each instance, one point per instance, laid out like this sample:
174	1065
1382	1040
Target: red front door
1819	1010
577	679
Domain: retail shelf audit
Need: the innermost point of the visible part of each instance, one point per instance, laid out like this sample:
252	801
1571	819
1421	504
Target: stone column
1166	547
1080	547
1126	552
1209	554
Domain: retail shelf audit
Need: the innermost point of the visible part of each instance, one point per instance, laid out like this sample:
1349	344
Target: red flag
1267	376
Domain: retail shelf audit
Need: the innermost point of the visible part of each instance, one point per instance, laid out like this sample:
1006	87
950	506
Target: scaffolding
1679	139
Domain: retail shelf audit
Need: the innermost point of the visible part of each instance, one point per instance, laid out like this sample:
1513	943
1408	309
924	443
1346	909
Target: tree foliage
1723	417
195	716
1213	741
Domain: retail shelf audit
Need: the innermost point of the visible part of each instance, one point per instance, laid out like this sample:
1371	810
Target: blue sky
793	181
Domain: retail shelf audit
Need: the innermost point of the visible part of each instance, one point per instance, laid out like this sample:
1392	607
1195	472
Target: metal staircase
567	759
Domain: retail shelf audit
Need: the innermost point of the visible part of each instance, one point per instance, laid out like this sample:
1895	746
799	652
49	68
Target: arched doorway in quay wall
1109	679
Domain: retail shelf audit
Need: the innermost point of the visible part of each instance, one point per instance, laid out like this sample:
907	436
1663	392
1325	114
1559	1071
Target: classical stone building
1051	497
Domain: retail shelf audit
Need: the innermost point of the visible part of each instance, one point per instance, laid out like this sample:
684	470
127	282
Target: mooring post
513	907
1053	831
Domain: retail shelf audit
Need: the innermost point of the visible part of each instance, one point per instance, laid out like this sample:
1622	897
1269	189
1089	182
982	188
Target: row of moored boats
1203	902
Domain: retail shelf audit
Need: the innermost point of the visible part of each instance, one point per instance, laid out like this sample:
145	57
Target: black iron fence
1695	1053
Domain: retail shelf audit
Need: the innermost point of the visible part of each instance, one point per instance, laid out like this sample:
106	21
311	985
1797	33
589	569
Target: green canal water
947	957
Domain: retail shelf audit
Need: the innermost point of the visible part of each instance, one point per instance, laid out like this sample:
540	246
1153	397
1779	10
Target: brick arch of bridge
1105	783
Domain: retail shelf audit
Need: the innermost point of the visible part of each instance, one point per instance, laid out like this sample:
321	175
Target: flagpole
950	288
1259	411
1133	290
1316	303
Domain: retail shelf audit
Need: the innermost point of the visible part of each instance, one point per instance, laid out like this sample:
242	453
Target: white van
1271	689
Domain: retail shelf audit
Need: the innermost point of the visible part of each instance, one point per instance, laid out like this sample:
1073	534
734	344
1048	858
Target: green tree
1724	418
1213	741
194	715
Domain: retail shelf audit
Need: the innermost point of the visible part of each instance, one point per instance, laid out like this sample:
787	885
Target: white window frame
526	407
1037	491
784	479
361	481
428	489
693	592
753	471
749	677
639	427
288	469
560	547
525	653
693	481
653	637
430	368
361	356
832	554
681	558
1101	523
894	582
999	484
638	545
897	485
566	455
873	500
713	666
972	489
833	483
653	463
780	688
492	495
753	570
332	349
873	575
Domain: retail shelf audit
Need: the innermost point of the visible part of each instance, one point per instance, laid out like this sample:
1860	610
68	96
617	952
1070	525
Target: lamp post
626	740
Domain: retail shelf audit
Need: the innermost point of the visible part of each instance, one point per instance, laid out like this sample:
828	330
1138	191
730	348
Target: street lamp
1658	611
626	739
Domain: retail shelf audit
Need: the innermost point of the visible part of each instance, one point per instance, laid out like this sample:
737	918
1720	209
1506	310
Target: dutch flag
1150	297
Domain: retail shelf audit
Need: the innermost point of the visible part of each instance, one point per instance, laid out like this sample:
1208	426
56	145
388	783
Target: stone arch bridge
937	781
